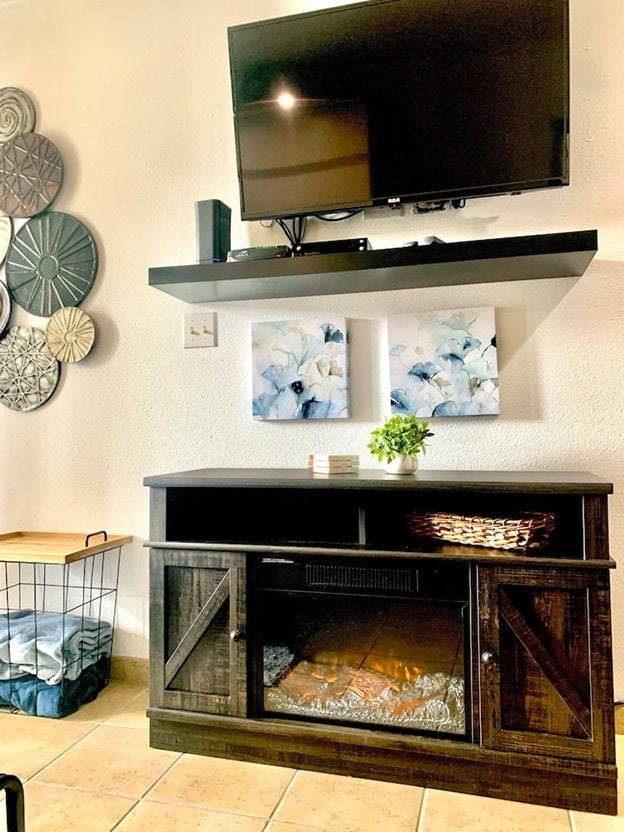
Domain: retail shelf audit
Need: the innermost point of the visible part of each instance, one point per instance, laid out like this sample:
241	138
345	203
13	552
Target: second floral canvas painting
300	370
444	363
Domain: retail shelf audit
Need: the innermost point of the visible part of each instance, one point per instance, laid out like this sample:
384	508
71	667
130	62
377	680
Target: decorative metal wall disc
29	372
5	307
17	113
70	334
51	263
6	231
31	173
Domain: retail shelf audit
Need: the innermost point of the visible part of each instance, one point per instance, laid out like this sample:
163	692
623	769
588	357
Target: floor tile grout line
230	812
160	777
273	819
202	807
90	790
288	823
82	789
282	798
125	815
104	791
421	812
62	754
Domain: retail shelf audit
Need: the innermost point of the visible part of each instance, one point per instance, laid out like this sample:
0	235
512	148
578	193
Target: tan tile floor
95	772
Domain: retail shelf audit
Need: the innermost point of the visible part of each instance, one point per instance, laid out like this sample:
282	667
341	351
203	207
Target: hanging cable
296	231
295	228
333	218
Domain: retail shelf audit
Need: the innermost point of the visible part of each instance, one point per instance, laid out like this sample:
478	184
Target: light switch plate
200	329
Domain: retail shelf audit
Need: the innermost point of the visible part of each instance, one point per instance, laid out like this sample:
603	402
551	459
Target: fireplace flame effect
382	668
329	665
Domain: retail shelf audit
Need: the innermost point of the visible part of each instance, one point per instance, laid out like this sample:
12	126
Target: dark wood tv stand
539	717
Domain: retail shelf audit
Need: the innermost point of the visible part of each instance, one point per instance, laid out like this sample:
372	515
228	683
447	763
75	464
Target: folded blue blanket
37	698
51	645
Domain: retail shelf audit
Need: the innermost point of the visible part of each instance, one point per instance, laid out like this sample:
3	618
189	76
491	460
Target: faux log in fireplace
363	644
296	620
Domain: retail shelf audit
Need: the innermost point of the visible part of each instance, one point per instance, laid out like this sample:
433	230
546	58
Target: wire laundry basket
58	596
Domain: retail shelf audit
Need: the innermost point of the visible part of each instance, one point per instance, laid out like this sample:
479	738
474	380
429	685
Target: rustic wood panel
554	677
157	627
596	522
195	632
545	692
379	755
197	600
486	482
158	513
238	644
188	591
602	668
442	552
473	657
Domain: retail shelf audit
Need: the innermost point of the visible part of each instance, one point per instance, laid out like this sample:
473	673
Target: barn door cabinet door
197	621
545	676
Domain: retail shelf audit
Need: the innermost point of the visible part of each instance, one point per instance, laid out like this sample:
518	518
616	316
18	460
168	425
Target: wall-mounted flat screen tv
399	101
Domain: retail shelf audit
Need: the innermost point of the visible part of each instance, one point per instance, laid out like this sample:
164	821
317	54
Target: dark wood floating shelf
532	257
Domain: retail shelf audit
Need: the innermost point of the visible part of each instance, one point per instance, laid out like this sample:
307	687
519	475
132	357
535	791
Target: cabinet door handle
237	635
489	657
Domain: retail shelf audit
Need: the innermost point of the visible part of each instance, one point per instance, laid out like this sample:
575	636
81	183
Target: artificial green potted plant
398	442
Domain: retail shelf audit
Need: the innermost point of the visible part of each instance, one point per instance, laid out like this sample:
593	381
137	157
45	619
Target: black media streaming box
212	219
257	253
331	246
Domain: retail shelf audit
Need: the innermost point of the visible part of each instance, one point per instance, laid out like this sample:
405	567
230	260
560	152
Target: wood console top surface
498	481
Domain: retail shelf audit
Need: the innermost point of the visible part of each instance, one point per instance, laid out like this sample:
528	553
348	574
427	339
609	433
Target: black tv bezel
396	200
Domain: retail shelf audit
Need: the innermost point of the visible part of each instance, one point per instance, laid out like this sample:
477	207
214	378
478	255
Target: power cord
296	231
335	218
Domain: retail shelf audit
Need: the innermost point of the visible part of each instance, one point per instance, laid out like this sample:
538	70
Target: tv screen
393	101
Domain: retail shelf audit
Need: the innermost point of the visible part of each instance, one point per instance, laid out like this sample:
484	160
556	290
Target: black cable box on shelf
257	253
331	246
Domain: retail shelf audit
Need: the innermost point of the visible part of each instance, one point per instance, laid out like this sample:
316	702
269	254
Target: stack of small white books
334	463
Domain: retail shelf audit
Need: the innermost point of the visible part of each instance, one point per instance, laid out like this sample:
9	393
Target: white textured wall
135	94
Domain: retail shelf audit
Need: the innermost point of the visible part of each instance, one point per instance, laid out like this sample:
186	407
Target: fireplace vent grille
387	579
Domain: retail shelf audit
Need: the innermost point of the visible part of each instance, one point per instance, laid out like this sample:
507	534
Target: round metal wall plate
51	263
31	174
70	334
6	232
5	307
29	372
17	113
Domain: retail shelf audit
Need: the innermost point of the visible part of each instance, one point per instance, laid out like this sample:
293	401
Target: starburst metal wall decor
50	262
29	372
17	114
6	231
70	334
5	307
31	173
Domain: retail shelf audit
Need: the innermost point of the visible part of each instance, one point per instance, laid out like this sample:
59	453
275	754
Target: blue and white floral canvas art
444	363
300	370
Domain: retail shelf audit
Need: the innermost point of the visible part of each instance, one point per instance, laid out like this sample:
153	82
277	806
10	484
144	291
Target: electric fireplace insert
381	644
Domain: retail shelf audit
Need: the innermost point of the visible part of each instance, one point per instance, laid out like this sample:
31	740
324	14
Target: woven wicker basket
530	530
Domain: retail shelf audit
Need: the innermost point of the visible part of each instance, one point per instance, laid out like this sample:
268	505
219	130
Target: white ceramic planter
402	465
